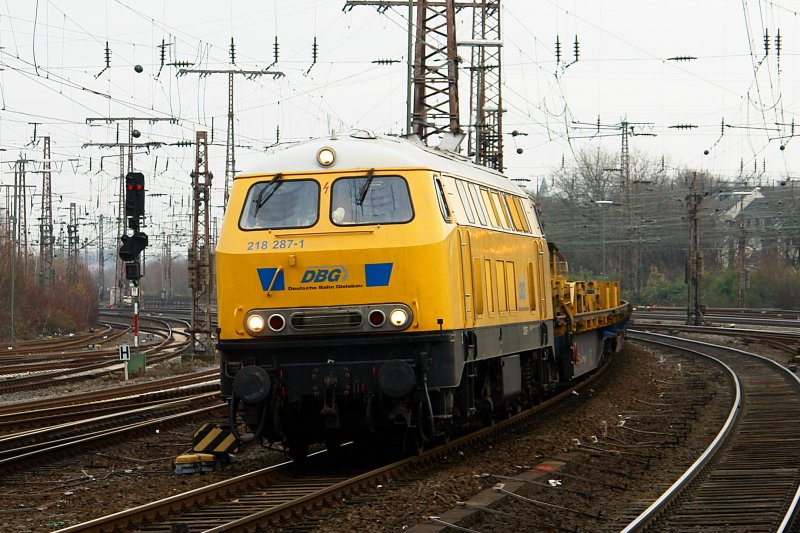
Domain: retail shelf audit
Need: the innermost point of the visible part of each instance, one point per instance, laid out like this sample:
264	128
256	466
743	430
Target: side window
440	196
476	203
518	214
465	200
489	207
499	207
280	203
508	200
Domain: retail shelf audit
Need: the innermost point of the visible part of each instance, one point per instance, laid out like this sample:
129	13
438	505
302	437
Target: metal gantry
435	110
200	278
485	139
433	75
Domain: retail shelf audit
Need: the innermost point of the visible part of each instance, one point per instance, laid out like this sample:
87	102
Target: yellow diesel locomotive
375	287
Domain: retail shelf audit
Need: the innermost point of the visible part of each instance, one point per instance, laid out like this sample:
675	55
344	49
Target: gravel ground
638	382
96	482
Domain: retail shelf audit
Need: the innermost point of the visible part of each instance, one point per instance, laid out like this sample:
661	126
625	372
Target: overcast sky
54	73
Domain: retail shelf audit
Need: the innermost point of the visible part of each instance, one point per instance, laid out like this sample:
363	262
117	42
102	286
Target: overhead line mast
435	107
200	278
230	158
46	273
485	142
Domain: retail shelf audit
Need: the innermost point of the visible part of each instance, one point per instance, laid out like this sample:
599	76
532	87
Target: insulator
577	48
314	50
558	50
766	42
778	43
275	50
233	52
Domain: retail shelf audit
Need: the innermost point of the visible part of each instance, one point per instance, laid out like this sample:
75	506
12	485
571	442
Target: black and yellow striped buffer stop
214	439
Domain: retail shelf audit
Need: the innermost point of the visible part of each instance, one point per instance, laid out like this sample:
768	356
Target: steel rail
655	510
160	509
13	458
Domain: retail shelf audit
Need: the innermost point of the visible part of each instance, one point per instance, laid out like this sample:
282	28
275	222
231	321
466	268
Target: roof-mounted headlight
326	156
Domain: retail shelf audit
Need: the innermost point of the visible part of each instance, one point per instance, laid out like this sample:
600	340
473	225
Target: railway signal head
134	197
132	246
132	270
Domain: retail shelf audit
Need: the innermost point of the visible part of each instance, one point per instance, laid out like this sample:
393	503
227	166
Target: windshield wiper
259	201
362	193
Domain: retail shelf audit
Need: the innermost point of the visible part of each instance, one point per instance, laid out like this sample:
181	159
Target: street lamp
603	211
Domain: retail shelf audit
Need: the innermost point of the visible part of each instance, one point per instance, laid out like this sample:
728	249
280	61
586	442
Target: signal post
130	249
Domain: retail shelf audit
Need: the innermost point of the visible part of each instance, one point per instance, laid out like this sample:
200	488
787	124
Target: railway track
769	317
63	366
60	409
248	502
749	478
22	449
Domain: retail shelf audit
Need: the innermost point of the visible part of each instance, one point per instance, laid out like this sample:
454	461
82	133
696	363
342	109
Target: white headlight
398	317
326	156
255	323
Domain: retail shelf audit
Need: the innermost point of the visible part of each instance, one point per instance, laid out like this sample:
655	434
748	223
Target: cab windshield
370	199
277	204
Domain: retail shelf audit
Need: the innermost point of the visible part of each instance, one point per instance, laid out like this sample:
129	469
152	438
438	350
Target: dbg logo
324	274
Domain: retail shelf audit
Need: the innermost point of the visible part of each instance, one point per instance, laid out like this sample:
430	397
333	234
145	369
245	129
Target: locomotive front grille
321	321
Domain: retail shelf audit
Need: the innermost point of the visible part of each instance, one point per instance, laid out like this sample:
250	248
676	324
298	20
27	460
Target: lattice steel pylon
230	155
22	213
47	277
435	110
200	278
435	106
485	140
73	240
